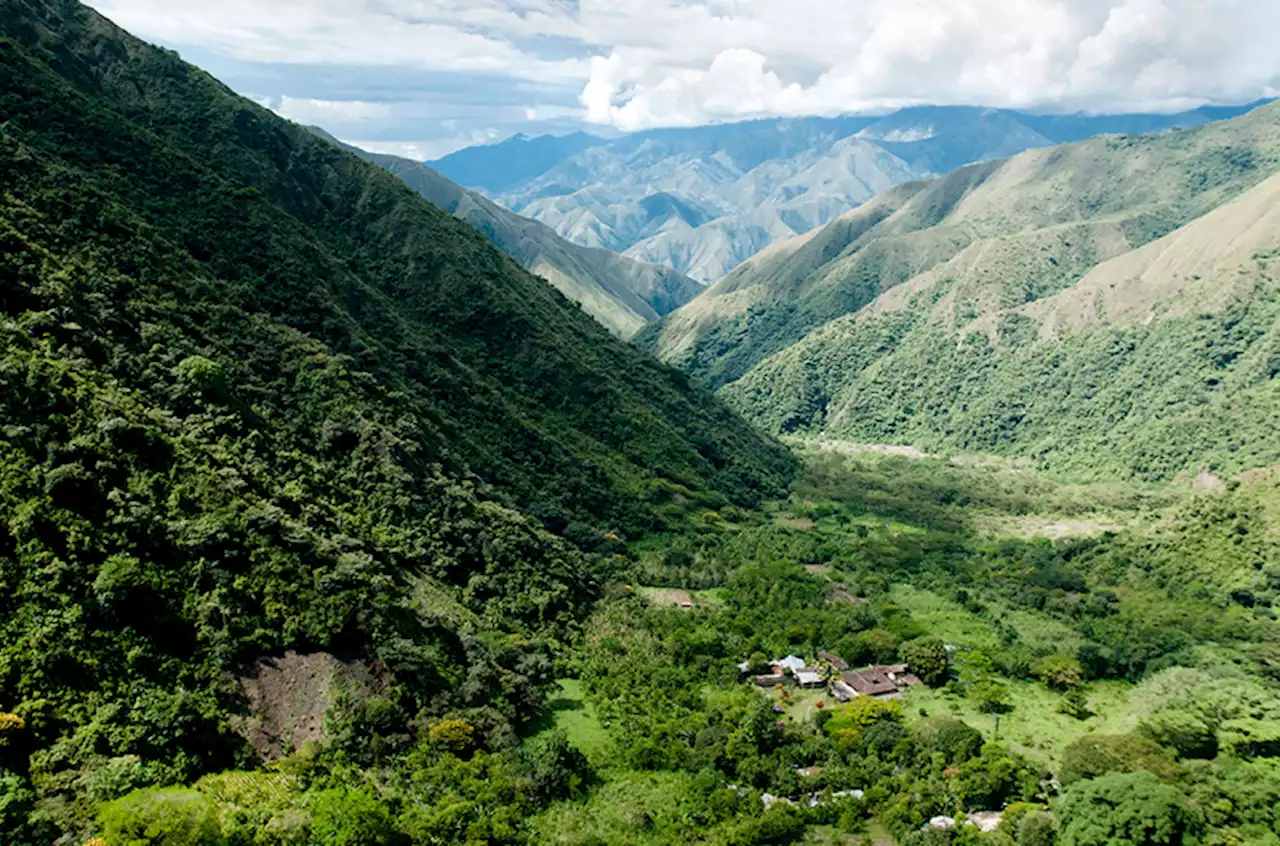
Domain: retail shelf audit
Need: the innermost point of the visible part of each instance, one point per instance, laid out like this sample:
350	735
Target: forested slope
622	293
257	395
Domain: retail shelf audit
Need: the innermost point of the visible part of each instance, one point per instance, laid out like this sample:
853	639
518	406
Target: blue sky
424	77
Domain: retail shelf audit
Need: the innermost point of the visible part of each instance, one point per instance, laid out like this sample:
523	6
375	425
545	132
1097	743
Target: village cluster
830	671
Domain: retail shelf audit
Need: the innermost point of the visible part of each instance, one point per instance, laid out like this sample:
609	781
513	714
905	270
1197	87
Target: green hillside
1104	307
622	293
257	395
1040	220
1162	360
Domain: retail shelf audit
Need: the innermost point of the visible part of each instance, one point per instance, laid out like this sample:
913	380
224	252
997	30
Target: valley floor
1088	655
1074	644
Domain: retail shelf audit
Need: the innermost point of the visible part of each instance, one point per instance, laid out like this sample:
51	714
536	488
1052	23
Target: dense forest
323	522
257	395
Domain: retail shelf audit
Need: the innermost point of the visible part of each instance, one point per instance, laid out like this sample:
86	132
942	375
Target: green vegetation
321	522
258	397
1104	309
622	293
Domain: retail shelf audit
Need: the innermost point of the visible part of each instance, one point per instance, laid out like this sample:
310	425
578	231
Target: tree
1075	704
994	778
1097	755
10	725
992	696
457	737
954	739
161	817
556	769
848	722
927	658
1182	731
876	645
349	818
1059	671
1029	824
16	802
1131	808
1036	829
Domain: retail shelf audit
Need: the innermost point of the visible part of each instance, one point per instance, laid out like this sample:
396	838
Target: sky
421	78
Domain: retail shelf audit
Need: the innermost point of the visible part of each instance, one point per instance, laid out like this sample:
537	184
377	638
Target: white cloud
435	35
330	112
422	151
1087	54
642	63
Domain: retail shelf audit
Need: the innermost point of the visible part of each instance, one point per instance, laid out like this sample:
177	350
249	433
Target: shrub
171	816
349	818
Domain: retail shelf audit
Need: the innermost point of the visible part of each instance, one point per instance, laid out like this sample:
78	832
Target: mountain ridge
622	293
259	397
829	273
763	181
1106	306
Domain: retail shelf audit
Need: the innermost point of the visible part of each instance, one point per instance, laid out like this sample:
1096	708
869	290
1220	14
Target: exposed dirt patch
668	597
803	524
290	694
1261	476
840	594
1030	526
817	569
1206	481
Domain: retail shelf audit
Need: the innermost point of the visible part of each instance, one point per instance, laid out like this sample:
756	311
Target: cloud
425	150
1094	55
330	112
434	34
633	64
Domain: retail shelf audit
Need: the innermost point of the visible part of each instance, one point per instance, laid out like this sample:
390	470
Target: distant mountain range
622	293
1109	305
705	199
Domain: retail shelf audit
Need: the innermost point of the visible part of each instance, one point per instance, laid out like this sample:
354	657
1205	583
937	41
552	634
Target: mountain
506	164
732	190
260	399
1099	306
621	293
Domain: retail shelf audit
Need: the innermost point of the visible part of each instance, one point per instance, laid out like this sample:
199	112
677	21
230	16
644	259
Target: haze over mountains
1107	303
703	200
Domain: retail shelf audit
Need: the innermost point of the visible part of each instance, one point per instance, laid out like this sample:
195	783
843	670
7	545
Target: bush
161	817
343	817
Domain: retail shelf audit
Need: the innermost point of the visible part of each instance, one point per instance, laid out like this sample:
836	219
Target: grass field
798	705
571	712
1033	726
944	618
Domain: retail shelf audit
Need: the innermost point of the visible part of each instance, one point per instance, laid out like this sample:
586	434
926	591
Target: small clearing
289	696
1054	528
661	597
572	713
